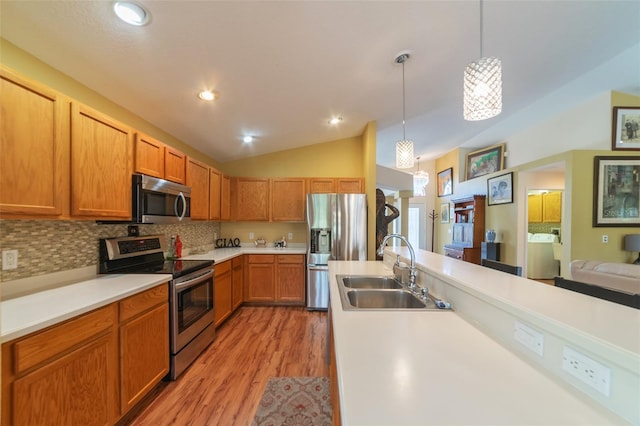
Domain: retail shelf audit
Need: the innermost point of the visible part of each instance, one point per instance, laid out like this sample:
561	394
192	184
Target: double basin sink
369	292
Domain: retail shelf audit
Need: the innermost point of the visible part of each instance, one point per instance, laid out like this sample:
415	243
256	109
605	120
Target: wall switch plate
587	370
251	235
605	239
530	338
9	259
290	236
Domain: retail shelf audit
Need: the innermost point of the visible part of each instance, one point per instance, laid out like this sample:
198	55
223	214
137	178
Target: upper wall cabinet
335	185
287	199
154	158
34	141
198	180
225	198
545	207
250	198
101	166
215	194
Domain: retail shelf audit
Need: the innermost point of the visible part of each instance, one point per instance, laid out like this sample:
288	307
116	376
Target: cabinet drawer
261	258
44	345
139	303
290	258
222	268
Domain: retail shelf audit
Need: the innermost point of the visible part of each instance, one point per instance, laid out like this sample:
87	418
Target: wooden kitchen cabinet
101	165
545	207
534	208
288	199
350	185
335	185
148	156
34	142
225	198
198	180
321	185
222	292
175	166
290	274
250	199
237	282
275	279
144	344
65	374
215	194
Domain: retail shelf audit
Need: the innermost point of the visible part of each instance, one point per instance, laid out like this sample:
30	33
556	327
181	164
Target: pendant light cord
481	28
404	136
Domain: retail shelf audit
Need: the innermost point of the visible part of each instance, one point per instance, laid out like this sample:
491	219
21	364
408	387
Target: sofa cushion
617	276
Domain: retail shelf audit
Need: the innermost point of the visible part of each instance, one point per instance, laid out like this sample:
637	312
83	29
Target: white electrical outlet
529	337
251	235
605	239
290	236
587	370
9	259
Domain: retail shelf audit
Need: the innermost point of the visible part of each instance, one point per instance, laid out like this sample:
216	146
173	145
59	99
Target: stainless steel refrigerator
336	230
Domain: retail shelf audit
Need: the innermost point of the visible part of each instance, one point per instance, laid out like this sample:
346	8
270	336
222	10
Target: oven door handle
193	281
184	206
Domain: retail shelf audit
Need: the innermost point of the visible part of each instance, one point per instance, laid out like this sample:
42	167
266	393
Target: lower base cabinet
68	374
222	292
274	279
237	282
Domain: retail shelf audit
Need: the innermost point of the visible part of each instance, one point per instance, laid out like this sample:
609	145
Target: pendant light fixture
404	148
420	182
482	86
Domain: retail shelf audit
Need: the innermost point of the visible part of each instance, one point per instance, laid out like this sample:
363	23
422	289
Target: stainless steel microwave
159	201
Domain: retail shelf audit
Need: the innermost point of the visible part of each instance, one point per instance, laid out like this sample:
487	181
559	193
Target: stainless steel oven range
191	307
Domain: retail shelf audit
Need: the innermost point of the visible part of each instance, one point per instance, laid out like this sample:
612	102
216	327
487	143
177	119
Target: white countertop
435	368
26	314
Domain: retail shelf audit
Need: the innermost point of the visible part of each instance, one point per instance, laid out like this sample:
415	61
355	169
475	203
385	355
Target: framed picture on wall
485	161
444	213
500	189
616	191
445	182
626	129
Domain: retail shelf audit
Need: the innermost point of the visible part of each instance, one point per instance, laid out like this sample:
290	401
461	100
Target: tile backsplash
51	246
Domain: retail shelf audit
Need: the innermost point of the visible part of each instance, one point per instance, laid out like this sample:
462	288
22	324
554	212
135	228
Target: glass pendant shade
404	154
483	89
420	182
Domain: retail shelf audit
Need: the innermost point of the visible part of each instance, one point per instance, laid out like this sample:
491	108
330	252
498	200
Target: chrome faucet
412	267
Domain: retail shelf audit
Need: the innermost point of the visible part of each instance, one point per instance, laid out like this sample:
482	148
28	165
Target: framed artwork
445	182
626	129
500	189
444	213
616	191
485	161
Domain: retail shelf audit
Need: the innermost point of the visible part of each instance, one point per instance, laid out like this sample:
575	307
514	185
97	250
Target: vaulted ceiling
282	69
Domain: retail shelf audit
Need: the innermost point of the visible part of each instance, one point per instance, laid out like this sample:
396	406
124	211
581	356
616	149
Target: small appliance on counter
261	242
191	303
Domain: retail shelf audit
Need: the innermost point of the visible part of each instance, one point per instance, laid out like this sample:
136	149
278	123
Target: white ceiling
282	69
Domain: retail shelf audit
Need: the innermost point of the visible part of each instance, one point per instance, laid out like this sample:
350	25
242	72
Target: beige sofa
622	277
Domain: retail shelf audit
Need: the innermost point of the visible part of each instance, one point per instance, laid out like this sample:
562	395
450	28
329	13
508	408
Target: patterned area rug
295	401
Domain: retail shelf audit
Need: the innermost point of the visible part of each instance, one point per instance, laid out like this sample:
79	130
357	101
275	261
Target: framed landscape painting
616	191
485	161
626	129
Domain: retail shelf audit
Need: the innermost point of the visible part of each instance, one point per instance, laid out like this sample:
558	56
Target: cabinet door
260	282
321	185
251	199
198	180
101	152
149	156
144	354
225	198
290	279
175	166
34	142
552	207
215	194
287	199
349	185
222	292
237	282
535	208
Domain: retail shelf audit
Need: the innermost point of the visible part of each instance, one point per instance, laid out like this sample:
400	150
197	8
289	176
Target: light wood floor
224	385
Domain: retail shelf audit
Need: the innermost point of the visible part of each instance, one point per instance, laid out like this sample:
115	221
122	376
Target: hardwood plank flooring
224	385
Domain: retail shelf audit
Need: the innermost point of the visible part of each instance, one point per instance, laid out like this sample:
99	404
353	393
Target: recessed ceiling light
207	95
335	120
131	13
247	139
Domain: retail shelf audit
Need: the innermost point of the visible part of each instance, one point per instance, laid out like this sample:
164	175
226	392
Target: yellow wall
369	166
31	67
443	230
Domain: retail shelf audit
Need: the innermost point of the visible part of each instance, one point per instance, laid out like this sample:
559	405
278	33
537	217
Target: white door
417	225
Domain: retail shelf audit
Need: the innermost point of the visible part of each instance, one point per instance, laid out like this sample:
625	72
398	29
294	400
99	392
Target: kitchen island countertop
436	368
